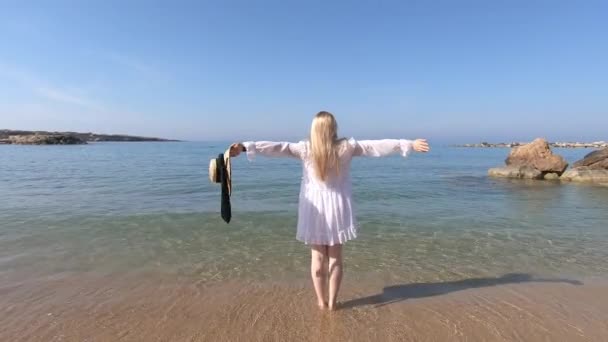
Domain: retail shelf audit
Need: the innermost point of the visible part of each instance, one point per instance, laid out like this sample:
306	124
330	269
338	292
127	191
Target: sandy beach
90	308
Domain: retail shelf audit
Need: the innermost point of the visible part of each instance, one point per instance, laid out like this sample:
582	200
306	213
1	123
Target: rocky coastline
15	137
536	161
596	144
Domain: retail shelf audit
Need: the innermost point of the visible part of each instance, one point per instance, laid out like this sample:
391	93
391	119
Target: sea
118	208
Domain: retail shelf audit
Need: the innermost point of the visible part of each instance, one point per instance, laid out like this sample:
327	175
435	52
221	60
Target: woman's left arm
385	147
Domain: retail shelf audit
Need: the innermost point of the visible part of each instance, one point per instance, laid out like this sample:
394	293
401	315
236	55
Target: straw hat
216	167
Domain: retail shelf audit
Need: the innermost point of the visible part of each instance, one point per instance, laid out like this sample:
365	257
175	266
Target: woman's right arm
267	149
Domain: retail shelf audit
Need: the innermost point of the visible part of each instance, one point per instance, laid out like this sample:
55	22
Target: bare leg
318	272
335	273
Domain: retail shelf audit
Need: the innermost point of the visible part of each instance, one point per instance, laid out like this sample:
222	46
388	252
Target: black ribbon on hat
226	208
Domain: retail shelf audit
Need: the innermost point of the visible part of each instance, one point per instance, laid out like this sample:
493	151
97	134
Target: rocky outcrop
596	144
584	174
522	172
596	160
538	155
531	161
537	161
44	139
593	168
487	144
91	137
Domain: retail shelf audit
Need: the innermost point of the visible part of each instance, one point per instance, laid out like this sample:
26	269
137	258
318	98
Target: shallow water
120	207
147	211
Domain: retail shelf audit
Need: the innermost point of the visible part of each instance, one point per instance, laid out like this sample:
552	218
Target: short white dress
326	214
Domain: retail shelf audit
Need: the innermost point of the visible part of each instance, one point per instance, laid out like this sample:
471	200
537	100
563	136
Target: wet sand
149	308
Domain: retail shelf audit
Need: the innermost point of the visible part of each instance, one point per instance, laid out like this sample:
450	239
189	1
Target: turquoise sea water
123	208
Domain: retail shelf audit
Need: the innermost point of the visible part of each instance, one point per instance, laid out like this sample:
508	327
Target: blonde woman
326	217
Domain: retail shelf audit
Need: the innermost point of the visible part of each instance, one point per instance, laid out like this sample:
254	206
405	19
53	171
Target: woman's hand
236	149
420	145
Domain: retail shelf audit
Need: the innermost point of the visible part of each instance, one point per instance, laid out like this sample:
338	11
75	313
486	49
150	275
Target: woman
325	213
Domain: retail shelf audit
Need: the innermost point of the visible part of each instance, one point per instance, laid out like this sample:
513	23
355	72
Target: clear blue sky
452	71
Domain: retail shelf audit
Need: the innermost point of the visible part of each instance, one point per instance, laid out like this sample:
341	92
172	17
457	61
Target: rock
586	175
46	139
596	160
595	144
551	176
512	171
538	155
5	134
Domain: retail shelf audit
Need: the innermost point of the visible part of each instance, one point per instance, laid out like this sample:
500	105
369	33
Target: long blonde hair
324	145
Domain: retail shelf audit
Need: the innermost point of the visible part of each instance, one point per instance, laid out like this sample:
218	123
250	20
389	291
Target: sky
450	71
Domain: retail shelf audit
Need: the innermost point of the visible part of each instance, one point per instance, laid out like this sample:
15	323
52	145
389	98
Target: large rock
523	171
46	139
538	155
586	175
596	160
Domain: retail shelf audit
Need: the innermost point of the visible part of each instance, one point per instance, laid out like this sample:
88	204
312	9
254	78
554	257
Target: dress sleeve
381	148
275	149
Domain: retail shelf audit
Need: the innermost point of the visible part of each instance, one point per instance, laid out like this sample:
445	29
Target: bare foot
322	305
333	306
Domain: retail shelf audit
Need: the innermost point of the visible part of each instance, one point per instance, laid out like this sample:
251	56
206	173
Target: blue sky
453	71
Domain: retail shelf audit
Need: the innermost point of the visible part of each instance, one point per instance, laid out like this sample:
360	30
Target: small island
65	138
596	144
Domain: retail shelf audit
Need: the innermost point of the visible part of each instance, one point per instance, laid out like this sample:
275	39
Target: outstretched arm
385	147
267	148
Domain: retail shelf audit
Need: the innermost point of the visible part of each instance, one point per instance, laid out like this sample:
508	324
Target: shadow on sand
397	293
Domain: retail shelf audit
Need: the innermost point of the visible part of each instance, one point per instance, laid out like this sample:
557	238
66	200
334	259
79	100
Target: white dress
325	212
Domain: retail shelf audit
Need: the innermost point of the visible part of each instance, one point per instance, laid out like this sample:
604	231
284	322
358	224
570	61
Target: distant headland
15	137
597	144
